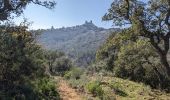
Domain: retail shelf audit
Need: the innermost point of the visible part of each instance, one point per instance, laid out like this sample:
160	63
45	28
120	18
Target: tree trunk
164	61
162	53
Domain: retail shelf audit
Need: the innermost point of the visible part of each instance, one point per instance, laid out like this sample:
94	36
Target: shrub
118	89
95	88
61	66
41	89
57	62
45	89
138	61
68	75
132	57
80	83
21	61
74	83
74	73
19	92
108	96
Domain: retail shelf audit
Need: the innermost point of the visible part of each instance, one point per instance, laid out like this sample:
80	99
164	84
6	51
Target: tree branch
159	50
167	19
128	9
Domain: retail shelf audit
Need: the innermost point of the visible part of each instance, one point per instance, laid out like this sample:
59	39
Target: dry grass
113	87
129	90
66	92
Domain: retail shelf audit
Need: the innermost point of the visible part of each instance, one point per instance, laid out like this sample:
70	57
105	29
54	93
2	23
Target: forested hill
78	42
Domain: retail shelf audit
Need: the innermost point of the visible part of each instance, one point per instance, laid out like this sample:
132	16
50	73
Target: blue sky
67	13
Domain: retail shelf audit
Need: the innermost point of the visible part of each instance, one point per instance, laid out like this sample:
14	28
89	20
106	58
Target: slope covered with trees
136	53
78	42
148	19
22	63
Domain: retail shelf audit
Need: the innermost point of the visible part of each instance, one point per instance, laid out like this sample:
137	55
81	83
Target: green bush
138	61
108	96
74	83
68	75
80	83
74	73
118	89
46	89
21	61
131	57
41	89
57	62
95	88
19	92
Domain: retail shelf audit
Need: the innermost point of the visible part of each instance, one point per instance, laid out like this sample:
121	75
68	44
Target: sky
67	13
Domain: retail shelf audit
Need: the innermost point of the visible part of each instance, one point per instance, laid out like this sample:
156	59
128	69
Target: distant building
52	27
88	23
91	21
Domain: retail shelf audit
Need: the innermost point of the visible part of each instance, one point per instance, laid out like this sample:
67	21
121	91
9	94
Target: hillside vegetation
78	42
101	87
86	62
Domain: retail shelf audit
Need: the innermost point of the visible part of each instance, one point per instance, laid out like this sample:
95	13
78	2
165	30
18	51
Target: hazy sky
68	13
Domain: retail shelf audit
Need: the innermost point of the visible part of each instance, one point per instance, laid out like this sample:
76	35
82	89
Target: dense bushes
45	89
35	90
57	62
133	57
74	73
137	61
21	63
95	88
106	55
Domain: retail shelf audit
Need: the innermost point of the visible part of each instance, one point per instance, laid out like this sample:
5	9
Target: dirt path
66	92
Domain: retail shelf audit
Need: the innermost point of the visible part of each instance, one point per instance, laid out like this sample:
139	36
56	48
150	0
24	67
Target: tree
20	59
132	57
138	61
57	62
51	57
7	7
22	72
150	19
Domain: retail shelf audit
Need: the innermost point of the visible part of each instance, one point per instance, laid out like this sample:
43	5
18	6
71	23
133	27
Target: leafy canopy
146	18
9	7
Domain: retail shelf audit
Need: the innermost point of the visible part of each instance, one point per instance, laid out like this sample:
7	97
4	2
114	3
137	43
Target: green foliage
74	73
118	89
45	89
96	67
39	89
22	91
57	62
138	61
76	78
20	57
95	88
67	75
145	43
105	55
8	7
108	96
138	13
132	57
22	62
78	84
62	65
